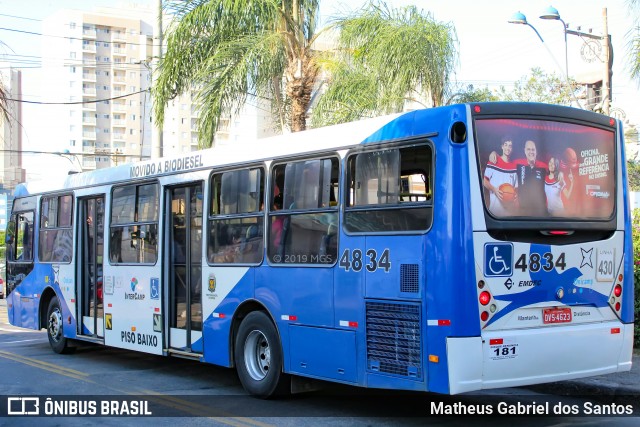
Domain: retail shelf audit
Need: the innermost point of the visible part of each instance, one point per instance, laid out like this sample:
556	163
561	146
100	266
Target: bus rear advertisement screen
546	169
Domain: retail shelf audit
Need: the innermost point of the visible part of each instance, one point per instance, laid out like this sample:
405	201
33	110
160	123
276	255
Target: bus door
91	246
184	207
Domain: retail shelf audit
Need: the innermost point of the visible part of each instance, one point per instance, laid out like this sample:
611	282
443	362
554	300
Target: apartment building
254	121
11	172
97	63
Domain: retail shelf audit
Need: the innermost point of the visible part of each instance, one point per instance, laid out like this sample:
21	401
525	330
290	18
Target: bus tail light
484	298
615	297
484	316
617	290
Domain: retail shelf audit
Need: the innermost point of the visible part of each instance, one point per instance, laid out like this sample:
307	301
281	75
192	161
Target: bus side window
236	218
303	217
389	190
55	240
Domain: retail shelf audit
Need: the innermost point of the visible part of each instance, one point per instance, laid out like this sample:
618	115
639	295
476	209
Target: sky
492	52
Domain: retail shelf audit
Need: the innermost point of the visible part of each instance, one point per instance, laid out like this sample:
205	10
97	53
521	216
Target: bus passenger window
389	190
236	220
303	217
134	224
55	240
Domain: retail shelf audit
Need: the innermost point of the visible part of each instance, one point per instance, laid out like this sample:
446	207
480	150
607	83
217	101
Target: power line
77	102
43	62
72	38
21	17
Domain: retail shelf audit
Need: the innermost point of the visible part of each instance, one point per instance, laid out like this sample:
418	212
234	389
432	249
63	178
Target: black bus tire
258	357
57	340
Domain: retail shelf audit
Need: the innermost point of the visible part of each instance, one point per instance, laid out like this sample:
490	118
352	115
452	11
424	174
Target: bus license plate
556	315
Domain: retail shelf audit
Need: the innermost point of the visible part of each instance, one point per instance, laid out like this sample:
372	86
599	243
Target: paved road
201	394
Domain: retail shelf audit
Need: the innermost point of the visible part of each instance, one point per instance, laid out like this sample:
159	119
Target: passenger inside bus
277	227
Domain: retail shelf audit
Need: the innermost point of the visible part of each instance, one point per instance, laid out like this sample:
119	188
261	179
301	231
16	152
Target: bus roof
324	138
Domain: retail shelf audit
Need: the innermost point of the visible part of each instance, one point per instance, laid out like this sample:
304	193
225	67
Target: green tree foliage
636	272
471	94
225	50
633	37
540	87
633	175
386	57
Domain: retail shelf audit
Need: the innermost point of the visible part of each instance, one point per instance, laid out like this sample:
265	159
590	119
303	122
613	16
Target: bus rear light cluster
484	298
615	298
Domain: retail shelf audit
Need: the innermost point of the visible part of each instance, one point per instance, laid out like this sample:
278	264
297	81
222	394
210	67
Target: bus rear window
546	169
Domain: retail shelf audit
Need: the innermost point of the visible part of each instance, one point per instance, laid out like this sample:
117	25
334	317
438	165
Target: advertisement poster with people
548	169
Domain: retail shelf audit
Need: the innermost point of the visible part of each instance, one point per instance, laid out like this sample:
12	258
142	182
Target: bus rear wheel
258	357
57	340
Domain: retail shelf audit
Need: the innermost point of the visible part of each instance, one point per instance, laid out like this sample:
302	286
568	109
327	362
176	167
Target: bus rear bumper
523	357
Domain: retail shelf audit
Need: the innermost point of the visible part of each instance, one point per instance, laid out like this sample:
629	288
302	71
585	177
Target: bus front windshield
546	169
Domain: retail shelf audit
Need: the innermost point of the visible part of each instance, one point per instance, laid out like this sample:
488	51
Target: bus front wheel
258	357
57	341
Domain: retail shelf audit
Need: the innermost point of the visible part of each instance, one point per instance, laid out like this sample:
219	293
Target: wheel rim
257	355
55	324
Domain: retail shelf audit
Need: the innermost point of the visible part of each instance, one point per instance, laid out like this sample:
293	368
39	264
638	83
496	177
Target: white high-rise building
11	172
254	121
97	62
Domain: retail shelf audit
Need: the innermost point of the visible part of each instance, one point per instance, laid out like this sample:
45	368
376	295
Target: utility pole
606	79
604	55
156	132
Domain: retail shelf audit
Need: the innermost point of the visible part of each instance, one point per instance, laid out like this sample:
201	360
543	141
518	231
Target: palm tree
225	50
3	102
634	41
385	58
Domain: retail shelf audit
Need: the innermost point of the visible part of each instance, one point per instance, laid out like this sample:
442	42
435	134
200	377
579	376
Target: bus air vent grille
394	344
409	278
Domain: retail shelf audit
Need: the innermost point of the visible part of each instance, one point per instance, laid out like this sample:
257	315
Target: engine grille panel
394	343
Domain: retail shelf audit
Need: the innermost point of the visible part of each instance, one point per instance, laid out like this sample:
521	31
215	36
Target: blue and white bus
450	249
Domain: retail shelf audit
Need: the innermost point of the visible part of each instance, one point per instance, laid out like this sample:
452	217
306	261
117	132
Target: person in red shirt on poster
497	173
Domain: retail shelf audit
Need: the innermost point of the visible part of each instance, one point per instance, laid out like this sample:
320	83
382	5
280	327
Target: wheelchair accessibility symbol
155	288
498	259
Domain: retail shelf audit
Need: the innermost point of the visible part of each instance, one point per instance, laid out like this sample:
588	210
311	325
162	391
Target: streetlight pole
156	131
606	80
551	13
519	18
